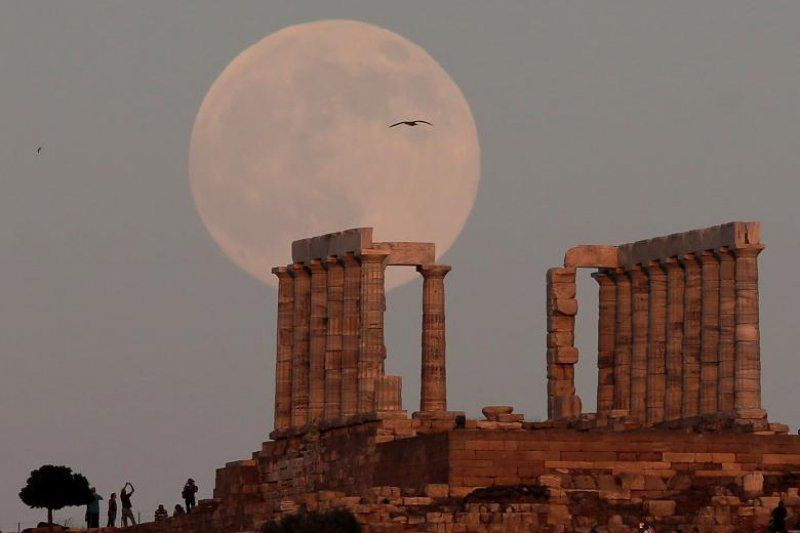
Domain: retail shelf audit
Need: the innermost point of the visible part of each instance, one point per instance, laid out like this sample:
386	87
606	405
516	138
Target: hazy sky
133	349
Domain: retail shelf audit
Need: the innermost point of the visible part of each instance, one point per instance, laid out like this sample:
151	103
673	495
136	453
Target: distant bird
411	123
39	150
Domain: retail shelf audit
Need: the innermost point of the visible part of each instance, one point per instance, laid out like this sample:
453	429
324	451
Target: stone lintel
734	235
356	241
592	256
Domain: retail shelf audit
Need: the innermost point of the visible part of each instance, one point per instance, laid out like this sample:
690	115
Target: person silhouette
112	510
93	510
127	507
779	518
161	514
188	492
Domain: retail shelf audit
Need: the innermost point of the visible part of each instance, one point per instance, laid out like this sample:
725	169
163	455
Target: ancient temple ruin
330	346
678	333
679	438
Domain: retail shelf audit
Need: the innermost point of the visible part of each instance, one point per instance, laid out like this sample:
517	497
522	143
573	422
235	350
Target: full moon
293	140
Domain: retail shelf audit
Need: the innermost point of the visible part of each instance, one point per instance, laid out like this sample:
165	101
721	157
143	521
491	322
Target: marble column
300	341
727	330
605	342
639	309
433	391
373	306
709	337
333	341
656	343
319	314
747	385
622	341
673	360
351	334
692	307
283	355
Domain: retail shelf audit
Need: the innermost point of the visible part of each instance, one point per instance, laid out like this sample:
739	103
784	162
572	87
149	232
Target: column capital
638	273
331	261
348	259
298	270
603	277
689	260
670	264
316	266
723	253
619	274
371	255
433	271
281	272
655	269
751	250
706	256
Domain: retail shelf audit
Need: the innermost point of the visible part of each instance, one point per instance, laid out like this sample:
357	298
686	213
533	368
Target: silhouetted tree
337	521
53	487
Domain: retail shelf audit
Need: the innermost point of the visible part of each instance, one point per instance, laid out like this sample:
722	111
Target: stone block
753	483
660	508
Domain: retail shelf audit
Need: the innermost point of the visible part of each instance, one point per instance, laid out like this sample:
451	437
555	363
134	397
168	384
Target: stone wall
401	475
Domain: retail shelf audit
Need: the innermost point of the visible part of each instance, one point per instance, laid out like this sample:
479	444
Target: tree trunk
50	518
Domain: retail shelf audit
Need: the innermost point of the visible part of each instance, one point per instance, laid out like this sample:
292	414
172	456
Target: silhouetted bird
411	123
39	150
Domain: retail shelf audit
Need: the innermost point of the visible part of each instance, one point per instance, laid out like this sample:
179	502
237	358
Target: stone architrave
351	334
433	393
622	341
674	340
283	356
639	309
333	341
373	306
319	314
747	386
727	330
605	342
300	343
692	308
709	340
656	343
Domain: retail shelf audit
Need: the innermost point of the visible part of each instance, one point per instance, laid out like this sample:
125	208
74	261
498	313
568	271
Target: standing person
189	490
112	510
127	508
93	510
779	518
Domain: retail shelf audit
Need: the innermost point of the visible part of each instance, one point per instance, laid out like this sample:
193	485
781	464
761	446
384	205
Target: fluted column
709	343
351	334
283	351
605	342
319	313
373	306
691	335
656	343
622	341
300	340
674	340
639	310
333	342
747	385
727	330
433	392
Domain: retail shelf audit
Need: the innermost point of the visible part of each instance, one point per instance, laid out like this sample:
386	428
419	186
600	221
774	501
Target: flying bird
411	123
39	150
